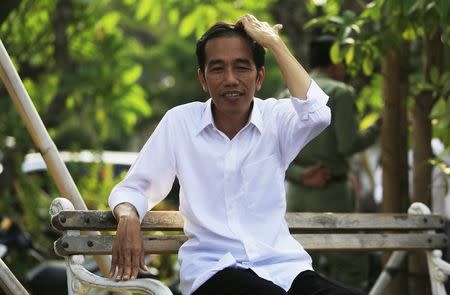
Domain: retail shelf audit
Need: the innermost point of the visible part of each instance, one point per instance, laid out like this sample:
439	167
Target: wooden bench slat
367	242
362	221
105	221
157	244
173	221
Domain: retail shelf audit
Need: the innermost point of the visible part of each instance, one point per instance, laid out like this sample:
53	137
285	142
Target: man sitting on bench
230	155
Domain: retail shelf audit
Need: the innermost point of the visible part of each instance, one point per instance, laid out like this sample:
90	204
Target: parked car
121	161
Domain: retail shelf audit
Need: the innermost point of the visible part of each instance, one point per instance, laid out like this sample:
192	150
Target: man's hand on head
259	31
128	246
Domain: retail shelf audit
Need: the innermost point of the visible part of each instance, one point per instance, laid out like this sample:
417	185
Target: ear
260	78
202	80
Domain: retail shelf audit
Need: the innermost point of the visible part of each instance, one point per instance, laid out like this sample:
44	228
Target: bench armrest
83	280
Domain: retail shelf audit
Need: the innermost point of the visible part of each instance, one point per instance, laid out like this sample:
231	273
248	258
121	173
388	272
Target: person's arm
306	114
148	181
128	246
295	76
316	175
350	139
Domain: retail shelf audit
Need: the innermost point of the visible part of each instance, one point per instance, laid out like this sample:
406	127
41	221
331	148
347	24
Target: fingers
119	273
135	263
125	264
113	269
142	263
277	28
127	267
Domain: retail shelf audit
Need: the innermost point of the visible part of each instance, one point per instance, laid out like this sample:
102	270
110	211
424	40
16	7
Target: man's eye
243	69
216	69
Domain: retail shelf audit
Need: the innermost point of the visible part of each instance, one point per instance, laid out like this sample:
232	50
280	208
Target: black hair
222	29
319	51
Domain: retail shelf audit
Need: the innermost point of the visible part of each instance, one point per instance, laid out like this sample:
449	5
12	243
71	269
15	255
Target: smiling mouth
232	94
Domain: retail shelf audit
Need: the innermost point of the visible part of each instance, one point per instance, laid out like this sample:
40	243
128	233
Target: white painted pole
42	140
9	282
389	271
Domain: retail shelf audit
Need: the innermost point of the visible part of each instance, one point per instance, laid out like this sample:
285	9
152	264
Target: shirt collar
207	117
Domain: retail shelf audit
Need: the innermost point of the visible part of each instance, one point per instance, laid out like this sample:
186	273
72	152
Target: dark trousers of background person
238	281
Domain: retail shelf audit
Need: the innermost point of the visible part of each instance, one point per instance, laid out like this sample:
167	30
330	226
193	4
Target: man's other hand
128	245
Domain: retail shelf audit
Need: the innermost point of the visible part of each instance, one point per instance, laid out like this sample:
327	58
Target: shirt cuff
139	201
316	98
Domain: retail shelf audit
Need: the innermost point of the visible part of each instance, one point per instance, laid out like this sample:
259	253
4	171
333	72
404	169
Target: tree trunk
394	142
61	20
433	56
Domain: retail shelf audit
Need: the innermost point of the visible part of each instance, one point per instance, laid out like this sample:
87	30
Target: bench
416	230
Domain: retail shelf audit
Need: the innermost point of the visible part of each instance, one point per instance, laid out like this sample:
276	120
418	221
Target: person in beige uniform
317	177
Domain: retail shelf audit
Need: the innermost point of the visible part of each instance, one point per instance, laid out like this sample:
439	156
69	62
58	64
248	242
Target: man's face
230	75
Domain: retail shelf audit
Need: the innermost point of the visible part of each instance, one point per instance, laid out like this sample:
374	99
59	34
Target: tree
398	35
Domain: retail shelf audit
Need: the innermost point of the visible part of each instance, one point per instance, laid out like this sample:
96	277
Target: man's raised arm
295	76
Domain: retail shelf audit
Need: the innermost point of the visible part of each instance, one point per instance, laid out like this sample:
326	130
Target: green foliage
369	101
365	38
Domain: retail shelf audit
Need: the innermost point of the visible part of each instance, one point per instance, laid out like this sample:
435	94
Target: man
318	175
229	155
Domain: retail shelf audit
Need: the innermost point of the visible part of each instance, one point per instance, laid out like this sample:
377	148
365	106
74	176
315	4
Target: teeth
234	94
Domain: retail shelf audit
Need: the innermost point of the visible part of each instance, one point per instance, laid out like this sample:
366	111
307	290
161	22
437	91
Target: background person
318	176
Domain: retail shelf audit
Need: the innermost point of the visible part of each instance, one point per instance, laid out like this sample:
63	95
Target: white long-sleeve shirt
232	194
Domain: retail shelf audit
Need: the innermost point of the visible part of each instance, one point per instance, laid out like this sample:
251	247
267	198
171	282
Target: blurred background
102	73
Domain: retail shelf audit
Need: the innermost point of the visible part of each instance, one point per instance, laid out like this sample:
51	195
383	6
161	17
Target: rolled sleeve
316	98
139	201
303	121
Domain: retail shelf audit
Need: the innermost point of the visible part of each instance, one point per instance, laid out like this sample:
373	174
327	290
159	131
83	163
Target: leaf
409	33
356	28
174	17
335	53
188	24
368	120
372	11
311	23
336	19
349	55
143	9
131	75
434	75
367	66
108	23
346	32
155	13
349	41
416	7
315	22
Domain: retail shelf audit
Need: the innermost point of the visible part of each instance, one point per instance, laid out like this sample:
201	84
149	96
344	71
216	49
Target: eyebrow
214	62
243	61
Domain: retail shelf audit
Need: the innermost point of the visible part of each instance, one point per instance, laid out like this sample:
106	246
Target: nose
230	77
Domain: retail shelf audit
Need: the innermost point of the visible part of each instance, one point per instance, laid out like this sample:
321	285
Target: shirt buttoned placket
230	188
236	213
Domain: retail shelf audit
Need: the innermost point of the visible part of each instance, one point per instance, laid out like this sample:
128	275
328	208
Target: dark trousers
236	281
